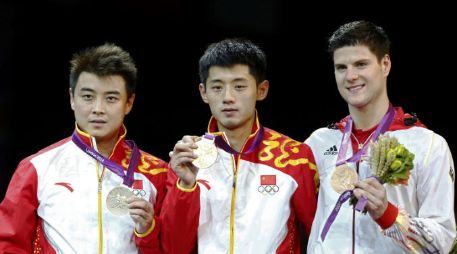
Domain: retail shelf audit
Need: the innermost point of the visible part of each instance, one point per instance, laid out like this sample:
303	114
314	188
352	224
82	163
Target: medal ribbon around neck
111	165
345	143
346	140
220	142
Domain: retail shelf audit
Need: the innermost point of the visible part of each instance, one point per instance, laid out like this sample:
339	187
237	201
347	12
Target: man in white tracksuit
413	218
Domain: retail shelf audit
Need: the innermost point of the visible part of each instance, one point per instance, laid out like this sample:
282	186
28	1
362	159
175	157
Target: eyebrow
86	89
238	79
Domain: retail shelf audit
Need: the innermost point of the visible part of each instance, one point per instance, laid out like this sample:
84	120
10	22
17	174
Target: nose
228	95
99	106
352	74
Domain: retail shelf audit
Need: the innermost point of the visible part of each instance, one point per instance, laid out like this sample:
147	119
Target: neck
368	116
105	147
237	137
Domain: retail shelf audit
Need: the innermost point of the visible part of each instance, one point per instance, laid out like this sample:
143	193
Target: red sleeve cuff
389	216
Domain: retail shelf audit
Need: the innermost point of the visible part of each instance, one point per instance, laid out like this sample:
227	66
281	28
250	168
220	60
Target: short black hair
229	52
105	60
360	33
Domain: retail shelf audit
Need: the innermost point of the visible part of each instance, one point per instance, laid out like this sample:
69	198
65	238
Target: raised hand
181	161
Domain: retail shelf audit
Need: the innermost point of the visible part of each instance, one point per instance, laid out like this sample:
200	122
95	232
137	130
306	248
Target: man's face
361	78
231	93
100	105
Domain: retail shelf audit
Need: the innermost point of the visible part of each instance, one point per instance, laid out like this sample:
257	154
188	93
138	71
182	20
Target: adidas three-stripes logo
331	151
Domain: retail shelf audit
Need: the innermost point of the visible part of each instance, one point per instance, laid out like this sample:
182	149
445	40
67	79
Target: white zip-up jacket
248	203
55	203
425	223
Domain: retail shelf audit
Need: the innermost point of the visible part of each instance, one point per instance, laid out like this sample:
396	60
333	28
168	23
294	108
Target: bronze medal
116	201
206	152
343	178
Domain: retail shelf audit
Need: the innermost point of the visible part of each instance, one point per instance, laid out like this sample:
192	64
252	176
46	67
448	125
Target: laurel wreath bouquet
390	162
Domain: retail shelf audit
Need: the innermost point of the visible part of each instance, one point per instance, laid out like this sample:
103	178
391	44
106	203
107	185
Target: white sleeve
434	229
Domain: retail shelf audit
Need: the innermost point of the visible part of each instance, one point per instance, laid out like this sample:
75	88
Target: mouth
355	88
229	111
97	122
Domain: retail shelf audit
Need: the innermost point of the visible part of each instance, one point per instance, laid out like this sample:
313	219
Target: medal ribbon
209	136
346	140
220	142
343	198
386	121
111	165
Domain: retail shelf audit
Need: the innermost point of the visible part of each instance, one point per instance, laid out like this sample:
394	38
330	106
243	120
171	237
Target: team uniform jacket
248	203
425	223
55	204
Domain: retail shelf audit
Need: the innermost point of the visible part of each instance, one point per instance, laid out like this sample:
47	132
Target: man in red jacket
93	192
245	187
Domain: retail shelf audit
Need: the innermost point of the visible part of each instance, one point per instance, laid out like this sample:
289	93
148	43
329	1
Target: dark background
166	38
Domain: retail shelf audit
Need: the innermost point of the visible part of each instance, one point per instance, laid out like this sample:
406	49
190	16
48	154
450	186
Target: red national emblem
138	184
267	179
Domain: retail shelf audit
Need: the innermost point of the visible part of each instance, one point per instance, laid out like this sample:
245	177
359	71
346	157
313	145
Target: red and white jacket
420	216
248	203
55	204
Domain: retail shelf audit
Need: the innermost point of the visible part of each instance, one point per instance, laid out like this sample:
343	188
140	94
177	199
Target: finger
375	203
141	214
373	182
370	185
184	147
139	206
182	160
190	139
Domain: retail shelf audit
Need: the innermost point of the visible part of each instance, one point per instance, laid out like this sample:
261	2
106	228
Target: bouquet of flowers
390	162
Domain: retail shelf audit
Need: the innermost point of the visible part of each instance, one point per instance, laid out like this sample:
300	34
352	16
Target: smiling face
361	78
231	93
100	105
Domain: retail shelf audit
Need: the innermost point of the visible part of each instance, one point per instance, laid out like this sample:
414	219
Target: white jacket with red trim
426	222
52	204
244	204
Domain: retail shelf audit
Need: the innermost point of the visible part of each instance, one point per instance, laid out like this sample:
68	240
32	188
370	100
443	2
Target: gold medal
116	201
206	152
343	178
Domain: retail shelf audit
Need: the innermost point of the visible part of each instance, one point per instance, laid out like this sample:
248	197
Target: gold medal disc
206	152
343	178
116	201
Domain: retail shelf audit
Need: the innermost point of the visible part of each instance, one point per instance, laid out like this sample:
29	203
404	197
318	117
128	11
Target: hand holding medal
390	163
189	155
206	152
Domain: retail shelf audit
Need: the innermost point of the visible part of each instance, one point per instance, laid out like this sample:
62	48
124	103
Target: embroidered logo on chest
331	151
138	188
268	185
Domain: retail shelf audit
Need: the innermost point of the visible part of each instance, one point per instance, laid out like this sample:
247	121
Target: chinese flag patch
267	179
138	184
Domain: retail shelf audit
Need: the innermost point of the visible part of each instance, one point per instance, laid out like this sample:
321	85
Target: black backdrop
166	38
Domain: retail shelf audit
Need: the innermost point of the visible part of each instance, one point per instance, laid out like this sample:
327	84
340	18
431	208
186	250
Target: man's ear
262	90
202	89
129	104
386	64
72	99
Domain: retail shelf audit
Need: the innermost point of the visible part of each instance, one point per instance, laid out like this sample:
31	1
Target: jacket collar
119	148
399	122
213	129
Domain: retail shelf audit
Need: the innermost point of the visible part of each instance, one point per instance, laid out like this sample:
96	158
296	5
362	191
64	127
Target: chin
229	124
356	102
96	134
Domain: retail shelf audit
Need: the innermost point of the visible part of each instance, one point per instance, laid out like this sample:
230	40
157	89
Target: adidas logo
331	151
